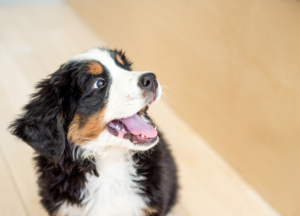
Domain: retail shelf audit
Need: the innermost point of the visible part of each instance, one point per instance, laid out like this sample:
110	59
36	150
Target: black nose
148	82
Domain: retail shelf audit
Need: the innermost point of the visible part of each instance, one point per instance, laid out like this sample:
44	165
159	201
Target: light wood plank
10	203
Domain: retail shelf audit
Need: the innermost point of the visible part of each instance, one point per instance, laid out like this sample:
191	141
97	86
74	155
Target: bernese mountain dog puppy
98	152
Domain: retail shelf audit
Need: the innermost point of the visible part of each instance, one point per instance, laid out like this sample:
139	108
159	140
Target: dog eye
100	83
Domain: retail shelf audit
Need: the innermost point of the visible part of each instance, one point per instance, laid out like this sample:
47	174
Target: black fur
44	126
127	64
160	171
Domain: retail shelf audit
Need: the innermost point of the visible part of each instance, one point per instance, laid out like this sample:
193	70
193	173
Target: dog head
92	102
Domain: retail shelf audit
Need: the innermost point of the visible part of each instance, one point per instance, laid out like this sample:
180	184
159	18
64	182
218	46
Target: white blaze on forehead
125	97
97	54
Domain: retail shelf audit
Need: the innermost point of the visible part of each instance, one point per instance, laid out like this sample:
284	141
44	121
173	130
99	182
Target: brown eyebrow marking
119	60
83	129
95	68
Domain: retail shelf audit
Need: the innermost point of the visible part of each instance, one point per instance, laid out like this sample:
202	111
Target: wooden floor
34	41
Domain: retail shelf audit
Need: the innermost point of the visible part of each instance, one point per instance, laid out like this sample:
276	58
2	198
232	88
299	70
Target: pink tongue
138	126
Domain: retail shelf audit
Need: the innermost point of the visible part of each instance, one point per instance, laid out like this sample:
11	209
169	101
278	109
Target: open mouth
133	128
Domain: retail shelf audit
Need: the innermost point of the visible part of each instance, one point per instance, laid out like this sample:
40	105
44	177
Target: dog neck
117	183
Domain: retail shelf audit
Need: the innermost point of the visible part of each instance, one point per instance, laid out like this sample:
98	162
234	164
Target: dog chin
141	147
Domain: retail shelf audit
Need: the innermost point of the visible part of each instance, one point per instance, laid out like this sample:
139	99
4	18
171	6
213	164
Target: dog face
111	111
93	101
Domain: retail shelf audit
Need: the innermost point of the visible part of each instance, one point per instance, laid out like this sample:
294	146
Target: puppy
98	152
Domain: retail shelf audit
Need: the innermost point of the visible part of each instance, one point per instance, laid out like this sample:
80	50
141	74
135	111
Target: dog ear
41	124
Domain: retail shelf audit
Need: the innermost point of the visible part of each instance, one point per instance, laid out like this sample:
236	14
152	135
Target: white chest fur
114	192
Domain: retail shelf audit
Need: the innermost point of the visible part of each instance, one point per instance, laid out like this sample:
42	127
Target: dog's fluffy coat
83	168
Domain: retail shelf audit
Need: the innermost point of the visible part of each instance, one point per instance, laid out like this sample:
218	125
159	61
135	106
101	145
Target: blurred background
230	71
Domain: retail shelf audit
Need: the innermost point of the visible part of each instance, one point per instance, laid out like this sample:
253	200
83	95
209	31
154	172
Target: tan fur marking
143	110
83	130
59	214
149	211
118	57
95	68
